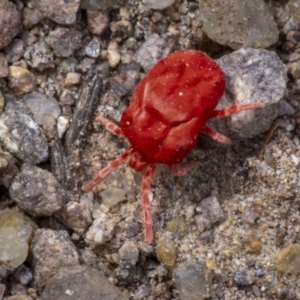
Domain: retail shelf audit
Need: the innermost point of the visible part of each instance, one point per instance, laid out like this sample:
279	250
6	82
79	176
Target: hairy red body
168	110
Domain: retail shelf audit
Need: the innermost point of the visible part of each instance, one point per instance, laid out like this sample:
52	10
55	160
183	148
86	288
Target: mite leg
110	126
146	204
235	109
181	170
218	137
103	173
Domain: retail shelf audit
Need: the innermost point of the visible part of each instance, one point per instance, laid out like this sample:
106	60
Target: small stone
62	125
85	65
166	252
41	106
72	79
21	80
252	75
93	48
8	169
15	234
211	213
211	264
252	245
294	6
113	54
154	49
192	281
101	230
64	41
240	23
36	191
288	259
39	56
243	277
23	275
22	137
76	216
158	4
10	22
112	196
19	296
129	255
249	216
60	11
141	293
97	21
80	283
102	4
14	50
45	244
49	126
3	66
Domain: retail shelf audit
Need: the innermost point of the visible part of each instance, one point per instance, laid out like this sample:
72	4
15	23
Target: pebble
97	21
80	283
37	192
294	6
21	80
15	233
166	252
3	66
155	48
113	54
129	255
62	125
22	136
158	4
23	275
14	50
287	260
192	280
39	56
249	216
103	4
241	23
10	22
60	11
252	245
252	75
76	216
112	196
101	230
51	250
211	213
93	48
243	277
8	168
64	41
41	106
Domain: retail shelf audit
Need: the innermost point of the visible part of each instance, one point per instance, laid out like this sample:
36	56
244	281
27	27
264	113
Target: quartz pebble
112	196
10	22
62	125
101	230
288	259
102	4
239	23
211	212
93	48
15	233
154	49
60	11
80	283
158	4
36	191
21	80
129	255
192	280
23	275
45	244
41	106
166	252
113	54
252	75
22	137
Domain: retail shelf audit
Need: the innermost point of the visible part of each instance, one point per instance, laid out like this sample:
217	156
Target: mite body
168	111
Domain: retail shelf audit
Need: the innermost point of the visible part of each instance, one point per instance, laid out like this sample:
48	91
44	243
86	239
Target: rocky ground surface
228	229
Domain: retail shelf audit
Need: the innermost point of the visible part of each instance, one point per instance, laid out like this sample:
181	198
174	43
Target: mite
167	112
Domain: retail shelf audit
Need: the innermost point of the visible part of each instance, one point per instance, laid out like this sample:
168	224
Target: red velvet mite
168	111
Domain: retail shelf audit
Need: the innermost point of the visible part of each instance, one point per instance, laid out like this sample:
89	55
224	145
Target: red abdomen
171	105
